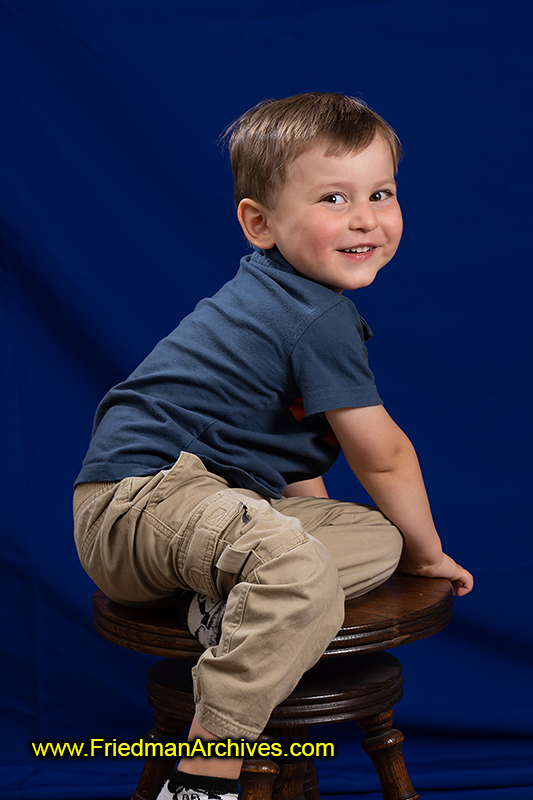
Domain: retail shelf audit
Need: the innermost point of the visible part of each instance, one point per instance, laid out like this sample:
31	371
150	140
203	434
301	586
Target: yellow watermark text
227	748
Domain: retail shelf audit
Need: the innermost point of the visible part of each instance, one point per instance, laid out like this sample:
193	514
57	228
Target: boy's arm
384	461
311	488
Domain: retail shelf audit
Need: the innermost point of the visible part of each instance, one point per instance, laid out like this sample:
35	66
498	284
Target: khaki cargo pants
285	567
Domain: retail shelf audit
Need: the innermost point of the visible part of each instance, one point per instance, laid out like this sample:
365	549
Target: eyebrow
341	184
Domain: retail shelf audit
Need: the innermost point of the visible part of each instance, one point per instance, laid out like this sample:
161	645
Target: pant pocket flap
238	562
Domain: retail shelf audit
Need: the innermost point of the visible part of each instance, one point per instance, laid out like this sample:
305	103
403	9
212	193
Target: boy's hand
461	580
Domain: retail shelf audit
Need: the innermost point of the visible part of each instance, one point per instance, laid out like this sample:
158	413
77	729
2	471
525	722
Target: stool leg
289	784
157	769
384	746
288	780
257	779
311	791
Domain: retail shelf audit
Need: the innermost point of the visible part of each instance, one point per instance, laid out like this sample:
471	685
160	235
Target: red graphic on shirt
329	438
298	411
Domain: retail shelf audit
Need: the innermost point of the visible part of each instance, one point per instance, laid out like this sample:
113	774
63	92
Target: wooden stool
354	680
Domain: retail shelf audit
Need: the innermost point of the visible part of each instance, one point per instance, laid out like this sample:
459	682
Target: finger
460	588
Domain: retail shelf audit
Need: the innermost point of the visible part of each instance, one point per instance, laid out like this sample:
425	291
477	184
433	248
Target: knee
324	587
274	553
320	571
308	580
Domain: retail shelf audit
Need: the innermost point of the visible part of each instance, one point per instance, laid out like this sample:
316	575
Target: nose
363	216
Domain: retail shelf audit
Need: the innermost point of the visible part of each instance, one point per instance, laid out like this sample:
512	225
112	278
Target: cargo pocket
203	530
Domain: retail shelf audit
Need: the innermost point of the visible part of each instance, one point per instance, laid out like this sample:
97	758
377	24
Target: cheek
323	234
399	224
393	227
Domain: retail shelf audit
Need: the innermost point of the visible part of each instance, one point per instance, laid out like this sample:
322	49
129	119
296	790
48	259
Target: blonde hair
264	140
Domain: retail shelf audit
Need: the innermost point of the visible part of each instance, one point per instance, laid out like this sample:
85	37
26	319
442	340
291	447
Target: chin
360	284
365	280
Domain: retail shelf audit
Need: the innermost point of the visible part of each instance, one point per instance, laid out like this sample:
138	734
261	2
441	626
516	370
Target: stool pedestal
327	693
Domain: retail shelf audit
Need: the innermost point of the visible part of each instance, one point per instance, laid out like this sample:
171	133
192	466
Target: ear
254	221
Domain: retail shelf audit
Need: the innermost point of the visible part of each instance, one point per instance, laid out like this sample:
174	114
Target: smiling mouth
363	249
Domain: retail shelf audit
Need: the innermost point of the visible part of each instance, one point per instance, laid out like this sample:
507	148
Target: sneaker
183	786
202	615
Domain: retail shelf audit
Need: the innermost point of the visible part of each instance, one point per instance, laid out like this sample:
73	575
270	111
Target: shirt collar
273	258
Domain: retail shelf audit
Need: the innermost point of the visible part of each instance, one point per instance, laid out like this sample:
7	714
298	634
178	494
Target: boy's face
337	218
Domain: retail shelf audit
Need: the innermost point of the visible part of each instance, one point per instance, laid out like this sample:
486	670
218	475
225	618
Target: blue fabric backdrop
117	217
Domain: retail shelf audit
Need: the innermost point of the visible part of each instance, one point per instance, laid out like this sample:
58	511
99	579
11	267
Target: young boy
204	470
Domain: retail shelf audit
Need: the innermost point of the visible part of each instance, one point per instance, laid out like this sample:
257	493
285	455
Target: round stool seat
402	610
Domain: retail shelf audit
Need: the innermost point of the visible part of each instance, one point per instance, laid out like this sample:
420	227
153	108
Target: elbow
387	460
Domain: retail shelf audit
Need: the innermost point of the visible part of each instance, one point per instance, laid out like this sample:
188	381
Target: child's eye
334	199
381	195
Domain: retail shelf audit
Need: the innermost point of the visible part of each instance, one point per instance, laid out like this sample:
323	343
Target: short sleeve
330	361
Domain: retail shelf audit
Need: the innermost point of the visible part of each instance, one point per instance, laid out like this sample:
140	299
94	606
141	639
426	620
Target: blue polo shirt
242	383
